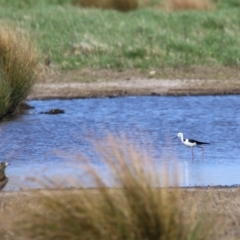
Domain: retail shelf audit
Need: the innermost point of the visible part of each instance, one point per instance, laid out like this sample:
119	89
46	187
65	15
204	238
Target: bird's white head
180	135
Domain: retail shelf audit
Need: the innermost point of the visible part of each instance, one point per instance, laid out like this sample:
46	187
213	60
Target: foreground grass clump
137	209
18	61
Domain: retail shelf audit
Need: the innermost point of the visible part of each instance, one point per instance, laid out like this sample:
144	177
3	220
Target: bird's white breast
189	144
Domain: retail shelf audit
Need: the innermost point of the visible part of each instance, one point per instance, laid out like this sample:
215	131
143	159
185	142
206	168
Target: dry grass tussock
128	5
176	5
137	209
121	5
18	62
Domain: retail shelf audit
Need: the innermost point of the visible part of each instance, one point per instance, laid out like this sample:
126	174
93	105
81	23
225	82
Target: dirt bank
105	83
134	87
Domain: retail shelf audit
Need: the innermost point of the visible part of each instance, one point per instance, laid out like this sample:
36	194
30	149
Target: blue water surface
44	144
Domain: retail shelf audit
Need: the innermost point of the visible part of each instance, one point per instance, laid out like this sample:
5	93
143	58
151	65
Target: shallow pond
40	144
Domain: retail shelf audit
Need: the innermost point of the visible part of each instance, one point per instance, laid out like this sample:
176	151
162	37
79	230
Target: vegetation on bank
18	61
73	37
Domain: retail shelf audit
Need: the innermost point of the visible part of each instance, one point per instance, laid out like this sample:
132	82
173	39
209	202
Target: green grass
227	3
143	39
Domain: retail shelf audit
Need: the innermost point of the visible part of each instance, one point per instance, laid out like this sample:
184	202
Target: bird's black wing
197	142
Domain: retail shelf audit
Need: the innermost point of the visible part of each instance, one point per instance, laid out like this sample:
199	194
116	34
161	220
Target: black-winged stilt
3	177
191	143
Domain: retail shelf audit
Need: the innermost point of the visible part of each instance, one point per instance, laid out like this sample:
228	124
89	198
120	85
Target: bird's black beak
174	138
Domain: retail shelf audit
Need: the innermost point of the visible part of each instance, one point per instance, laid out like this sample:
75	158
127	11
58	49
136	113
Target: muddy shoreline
133	87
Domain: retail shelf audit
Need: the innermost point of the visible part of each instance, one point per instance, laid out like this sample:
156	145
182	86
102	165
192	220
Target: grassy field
145	39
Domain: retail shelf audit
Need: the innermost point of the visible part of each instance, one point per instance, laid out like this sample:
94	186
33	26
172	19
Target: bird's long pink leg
202	152
192	154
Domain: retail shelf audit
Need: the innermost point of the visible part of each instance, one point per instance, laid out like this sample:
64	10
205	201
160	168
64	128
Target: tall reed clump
137	210
176	5
18	62
120	5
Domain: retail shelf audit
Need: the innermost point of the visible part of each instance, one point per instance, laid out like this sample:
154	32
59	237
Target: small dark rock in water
25	106
53	111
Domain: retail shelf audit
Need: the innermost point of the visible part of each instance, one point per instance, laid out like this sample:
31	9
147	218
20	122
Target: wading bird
3	177
191	143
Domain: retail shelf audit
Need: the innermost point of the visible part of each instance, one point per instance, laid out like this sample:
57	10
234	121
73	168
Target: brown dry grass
18	62
176	5
223	201
121	5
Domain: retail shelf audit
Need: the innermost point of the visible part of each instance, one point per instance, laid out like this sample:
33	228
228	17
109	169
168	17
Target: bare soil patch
106	83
